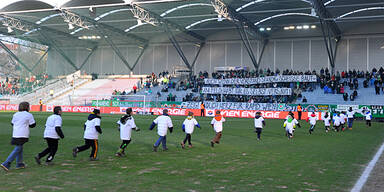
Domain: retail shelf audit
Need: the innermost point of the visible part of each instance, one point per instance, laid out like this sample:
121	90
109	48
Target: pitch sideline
367	171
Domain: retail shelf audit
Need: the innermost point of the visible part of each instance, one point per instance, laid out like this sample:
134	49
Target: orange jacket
299	108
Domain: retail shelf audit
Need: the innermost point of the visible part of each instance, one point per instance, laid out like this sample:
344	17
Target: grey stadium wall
355	52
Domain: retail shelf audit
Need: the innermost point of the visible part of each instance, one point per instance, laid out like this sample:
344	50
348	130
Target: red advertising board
158	111
265	114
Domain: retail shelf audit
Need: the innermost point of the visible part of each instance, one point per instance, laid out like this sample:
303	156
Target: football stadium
192	95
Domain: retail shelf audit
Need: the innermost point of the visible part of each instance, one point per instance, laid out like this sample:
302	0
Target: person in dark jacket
259	124
92	130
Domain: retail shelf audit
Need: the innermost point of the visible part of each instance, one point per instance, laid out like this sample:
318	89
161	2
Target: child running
343	118
163	123
126	124
92	130
21	122
52	134
188	127
259	123
336	122
368	117
312	122
289	125
327	121
217	125
351	117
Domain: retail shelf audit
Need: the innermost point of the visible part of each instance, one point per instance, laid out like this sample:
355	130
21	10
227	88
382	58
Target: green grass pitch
319	162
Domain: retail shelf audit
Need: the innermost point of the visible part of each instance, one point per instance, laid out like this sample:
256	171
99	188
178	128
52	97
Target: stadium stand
97	89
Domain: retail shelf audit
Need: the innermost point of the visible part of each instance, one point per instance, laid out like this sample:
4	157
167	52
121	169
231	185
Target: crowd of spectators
331	84
344	83
338	83
197	82
16	86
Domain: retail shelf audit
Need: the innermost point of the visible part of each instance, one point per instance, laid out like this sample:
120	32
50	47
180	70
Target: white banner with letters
262	80
247	91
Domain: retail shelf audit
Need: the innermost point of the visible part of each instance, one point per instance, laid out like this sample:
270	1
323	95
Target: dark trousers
124	144
368	122
217	138
299	114
90	143
202	112
187	138
336	128
258	131
51	149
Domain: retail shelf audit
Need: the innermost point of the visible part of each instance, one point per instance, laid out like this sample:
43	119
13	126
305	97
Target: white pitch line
367	171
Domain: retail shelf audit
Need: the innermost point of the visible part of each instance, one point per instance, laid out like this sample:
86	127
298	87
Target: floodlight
139	22
313	26
262	29
268	29
305	26
70	26
299	27
219	18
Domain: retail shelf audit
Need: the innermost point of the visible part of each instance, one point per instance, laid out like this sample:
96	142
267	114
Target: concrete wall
225	49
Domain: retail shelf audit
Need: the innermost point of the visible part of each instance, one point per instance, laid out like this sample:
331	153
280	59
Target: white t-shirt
90	129
52	122
342	118
21	121
327	121
312	120
350	114
163	123
289	126
259	122
368	115
336	120
126	129
218	125
293	120
190	125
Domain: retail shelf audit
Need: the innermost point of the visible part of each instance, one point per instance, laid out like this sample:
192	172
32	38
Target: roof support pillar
247	45
60	51
177	47
265	43
175	44
197	54
11	54
140	55
89	56
117	51
40	59
330	46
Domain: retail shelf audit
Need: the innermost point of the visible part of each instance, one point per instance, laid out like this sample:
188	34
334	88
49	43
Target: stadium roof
189	20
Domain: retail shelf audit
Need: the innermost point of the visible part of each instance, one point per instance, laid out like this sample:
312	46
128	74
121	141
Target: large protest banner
262	80
247	91
151	104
